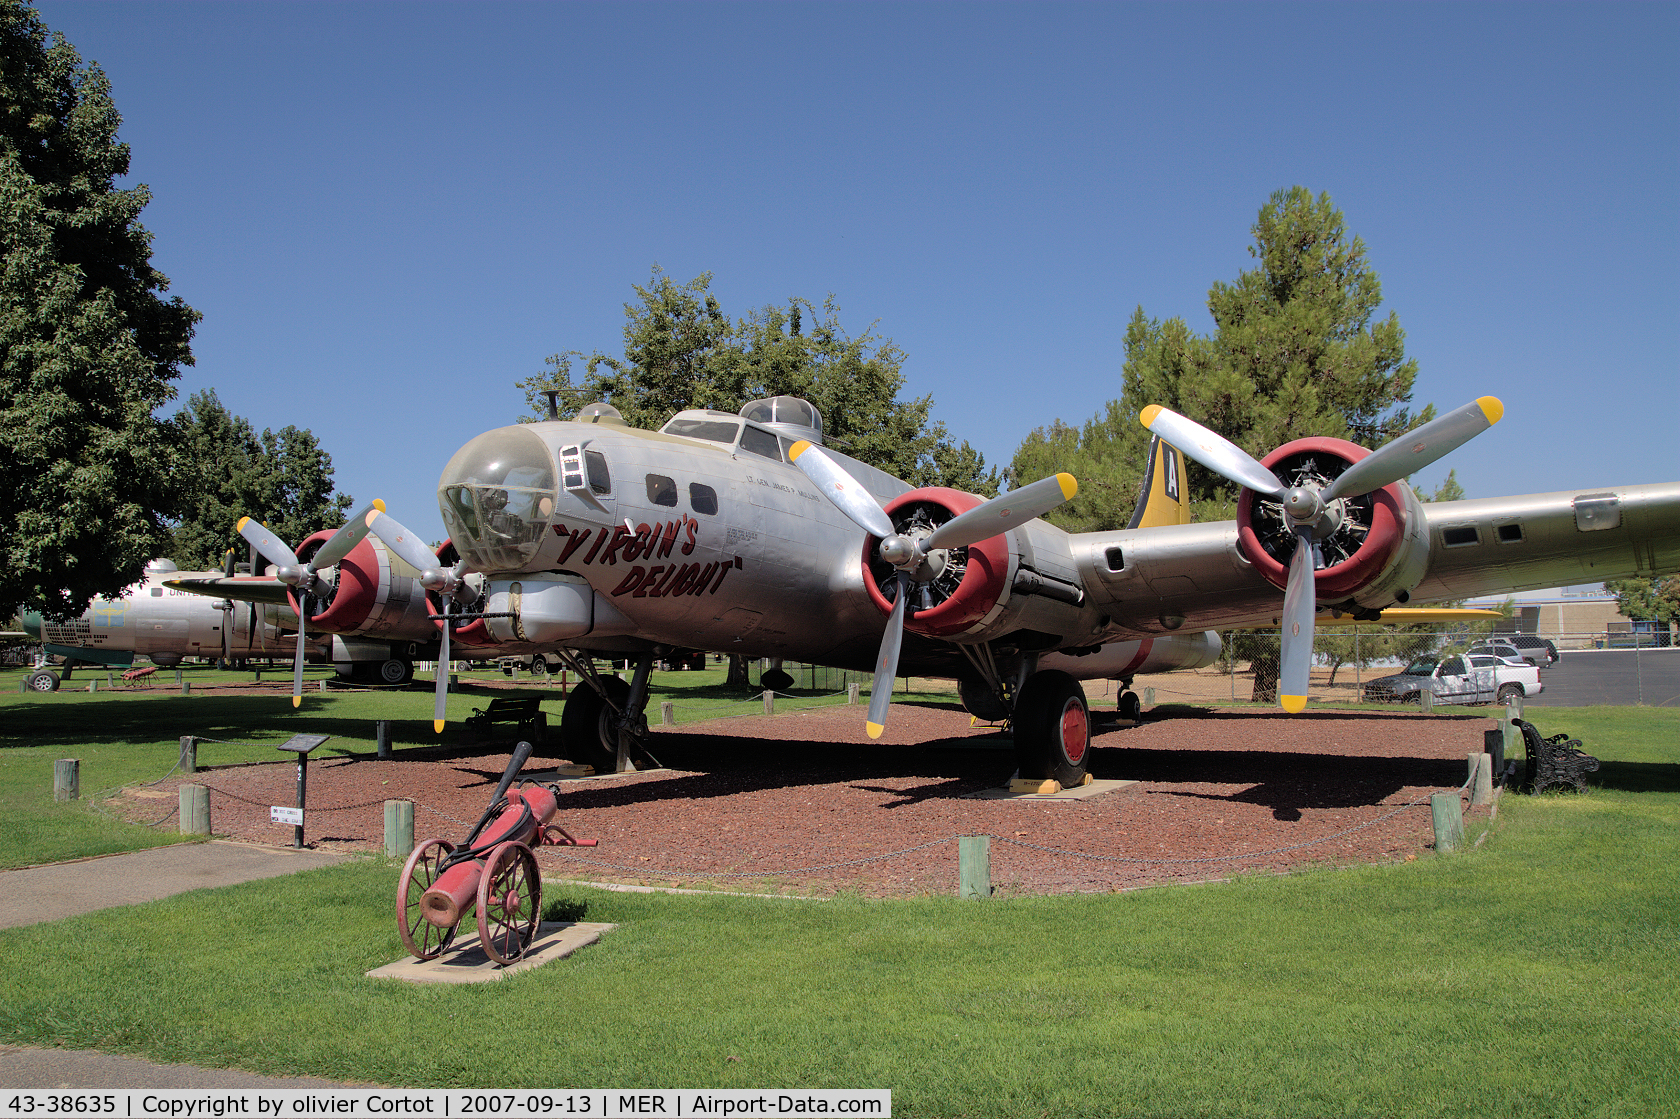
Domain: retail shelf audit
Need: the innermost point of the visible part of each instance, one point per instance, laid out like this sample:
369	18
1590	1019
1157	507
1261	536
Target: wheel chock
1045	787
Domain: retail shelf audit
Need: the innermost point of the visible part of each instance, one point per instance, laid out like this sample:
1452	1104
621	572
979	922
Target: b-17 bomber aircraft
745	534
159	621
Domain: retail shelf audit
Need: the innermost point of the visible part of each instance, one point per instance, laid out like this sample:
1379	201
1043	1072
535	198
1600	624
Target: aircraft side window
662	490
702	499
600	478
760	442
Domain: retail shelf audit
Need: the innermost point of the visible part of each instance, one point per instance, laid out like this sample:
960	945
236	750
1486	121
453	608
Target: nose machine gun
493	872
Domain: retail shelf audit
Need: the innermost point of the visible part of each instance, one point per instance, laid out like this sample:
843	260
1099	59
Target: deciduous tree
89	346
282	478
682	351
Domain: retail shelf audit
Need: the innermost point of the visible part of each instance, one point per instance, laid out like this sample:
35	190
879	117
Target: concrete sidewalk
48	893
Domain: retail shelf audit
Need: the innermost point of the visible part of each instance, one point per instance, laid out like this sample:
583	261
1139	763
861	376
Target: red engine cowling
961	596
1375	553
370	599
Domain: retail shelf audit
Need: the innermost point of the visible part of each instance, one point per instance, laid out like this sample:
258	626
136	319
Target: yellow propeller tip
874	729
798	449
437	726
240	527
379	505
1492	407
297	701
1069	484
1294	704
1147	416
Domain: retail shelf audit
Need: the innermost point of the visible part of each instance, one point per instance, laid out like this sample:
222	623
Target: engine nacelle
983	591
1378	549
376	596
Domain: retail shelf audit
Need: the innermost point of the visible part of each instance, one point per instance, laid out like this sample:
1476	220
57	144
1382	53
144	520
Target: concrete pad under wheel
465	961
1080	792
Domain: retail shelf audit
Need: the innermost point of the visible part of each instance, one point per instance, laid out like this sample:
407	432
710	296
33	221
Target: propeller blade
1003	513
347	537
1417	448
442	692
402	542
886	665
273	549
847	493
297	662
1212	450
227	565
1300	604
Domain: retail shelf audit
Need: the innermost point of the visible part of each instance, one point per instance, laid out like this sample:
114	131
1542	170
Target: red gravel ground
804	803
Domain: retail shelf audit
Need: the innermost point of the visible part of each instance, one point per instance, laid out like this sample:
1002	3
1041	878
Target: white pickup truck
1457	678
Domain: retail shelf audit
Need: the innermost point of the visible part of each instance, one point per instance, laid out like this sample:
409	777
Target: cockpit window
760	442
497	497
716	431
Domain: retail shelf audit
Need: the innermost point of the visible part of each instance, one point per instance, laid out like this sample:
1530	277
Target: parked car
1535	650
1457	678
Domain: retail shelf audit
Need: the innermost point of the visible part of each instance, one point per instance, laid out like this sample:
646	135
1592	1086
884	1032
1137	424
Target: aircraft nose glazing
497	496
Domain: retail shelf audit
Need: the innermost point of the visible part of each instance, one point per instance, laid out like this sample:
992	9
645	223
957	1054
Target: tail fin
1162	502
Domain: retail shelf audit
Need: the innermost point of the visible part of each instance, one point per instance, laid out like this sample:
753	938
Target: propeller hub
900	551
438	582
289	574
1302	505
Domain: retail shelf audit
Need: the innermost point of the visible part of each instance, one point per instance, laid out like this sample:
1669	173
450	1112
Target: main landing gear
1047	713
604	723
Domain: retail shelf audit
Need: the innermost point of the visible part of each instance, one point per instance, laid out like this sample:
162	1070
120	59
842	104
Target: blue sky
389	213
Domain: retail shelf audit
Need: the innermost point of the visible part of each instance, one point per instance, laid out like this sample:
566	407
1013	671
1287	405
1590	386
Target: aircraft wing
1204	576
240	588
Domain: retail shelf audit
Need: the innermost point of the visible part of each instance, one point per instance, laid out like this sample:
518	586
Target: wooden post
974	866
93	685
1448	816
1149	697
399	828
1426	699
1481	777
769	702
382	738
195	810
189	754
186	687
852	692
67	779
668	713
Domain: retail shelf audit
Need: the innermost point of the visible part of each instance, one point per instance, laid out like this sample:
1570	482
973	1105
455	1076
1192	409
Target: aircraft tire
1130	707
395	671
585	725
43	681
1053	729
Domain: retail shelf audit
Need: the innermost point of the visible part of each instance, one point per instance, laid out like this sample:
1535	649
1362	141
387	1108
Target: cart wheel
422	938
509	902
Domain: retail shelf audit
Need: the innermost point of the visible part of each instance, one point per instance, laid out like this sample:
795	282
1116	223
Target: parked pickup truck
1456	678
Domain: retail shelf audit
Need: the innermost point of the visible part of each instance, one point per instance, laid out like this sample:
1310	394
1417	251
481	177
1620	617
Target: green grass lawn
1534	974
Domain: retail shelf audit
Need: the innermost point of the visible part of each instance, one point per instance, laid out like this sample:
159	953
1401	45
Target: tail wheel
43	681
509	902
587	729
1053	729
1130	707
423	939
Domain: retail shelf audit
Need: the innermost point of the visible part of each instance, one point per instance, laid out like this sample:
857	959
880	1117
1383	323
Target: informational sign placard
292	816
